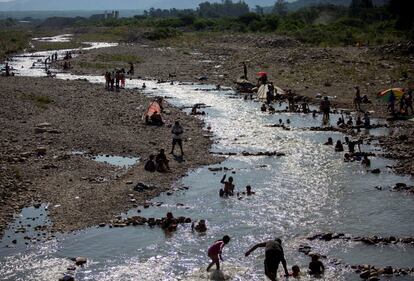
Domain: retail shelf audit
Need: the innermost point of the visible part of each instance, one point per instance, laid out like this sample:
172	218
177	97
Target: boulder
80	260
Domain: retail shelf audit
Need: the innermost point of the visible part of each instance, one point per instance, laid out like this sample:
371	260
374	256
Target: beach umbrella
385	95
261	73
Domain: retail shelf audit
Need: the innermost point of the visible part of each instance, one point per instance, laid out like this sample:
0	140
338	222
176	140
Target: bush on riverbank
13	41
320	26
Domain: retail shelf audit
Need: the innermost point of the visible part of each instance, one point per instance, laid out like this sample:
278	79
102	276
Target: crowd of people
274	255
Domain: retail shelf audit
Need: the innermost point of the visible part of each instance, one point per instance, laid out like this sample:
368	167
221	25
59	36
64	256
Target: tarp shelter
385	95
153	108
262	91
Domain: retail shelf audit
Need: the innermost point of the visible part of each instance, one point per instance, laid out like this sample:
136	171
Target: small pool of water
119	161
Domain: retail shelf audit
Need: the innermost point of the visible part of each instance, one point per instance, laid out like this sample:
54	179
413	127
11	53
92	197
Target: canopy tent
386	95
153	108
262	91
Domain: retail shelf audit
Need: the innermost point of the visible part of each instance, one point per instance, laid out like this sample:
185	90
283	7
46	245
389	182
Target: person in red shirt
215	250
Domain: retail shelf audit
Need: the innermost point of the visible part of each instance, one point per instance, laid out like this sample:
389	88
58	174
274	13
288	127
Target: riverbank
45	120
215	59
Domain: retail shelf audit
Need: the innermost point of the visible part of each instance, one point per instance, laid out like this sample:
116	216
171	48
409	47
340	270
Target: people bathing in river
199	227
161	162
329	142
367	120
366	162
316	267
339	147
273	256
150	165
228	189
177	132
248	191
169	223
215	252
325	107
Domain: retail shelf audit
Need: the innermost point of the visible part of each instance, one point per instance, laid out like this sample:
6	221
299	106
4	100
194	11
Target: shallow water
309	190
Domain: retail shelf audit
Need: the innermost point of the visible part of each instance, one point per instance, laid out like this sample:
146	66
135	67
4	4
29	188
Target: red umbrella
261	73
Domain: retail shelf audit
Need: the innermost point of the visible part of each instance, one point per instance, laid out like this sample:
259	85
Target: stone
67	278
388	270
80	260
376	171
41	150
365	274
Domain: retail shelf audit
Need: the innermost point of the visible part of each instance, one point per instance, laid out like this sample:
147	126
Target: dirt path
83	117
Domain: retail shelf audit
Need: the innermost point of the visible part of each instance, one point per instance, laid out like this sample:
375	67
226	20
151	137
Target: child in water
215	250
316	266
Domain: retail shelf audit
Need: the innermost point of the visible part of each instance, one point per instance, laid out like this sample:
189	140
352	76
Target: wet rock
41	151
365	274
67	278
376	171
388	270
80	261
141	187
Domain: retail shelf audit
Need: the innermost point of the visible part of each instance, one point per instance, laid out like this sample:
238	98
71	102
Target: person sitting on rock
366	162
201	226
350	122
263	108
316	267
161	162
271	109
228	189
169	223
329	142
339	147
150	165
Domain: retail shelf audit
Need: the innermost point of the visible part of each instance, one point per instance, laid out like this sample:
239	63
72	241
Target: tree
360	7
259	10
402	10
280	8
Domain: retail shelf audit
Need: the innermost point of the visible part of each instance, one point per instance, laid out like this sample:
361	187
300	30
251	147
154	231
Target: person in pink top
214	252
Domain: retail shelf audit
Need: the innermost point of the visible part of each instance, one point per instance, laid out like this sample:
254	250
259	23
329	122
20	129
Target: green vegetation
41	101
12	41
320	25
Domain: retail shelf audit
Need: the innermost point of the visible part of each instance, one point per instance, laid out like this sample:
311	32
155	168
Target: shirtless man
273	256
228	187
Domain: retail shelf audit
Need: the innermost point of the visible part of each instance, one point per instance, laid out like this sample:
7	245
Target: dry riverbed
45	120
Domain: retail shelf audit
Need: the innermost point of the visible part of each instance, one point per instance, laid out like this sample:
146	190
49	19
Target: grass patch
41	101
13	41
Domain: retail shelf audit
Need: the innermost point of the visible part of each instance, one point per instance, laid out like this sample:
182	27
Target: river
310	190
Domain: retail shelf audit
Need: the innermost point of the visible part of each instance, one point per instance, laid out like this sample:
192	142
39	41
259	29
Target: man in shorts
273	256
177	131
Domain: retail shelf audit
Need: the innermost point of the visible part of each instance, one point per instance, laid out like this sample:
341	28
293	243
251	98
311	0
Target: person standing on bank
177	131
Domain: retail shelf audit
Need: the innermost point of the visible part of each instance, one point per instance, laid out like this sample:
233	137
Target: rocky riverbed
334	71
52	130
